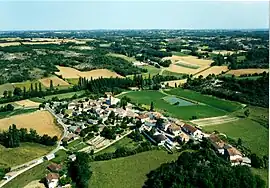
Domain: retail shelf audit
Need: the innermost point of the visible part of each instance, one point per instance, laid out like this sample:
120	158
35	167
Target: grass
16	112
36	173
27	84
182	112
169	73
72	81
187	65
124	142
241	58
129	59
26	152
226	105
128	171
60	96
8	87
151	69
179	53
60	156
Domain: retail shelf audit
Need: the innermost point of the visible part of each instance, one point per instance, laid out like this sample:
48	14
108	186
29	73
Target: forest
202	168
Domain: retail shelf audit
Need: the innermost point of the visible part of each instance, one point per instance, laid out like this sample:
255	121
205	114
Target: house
69	137
150	123
78	130
49	156
217	143
160	138
232	154
71	105
72	157
193	131
183	137
54	167
111	100
174	129
92	121
52	180
73	128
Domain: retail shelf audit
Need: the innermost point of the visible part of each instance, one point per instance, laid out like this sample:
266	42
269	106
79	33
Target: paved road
17	170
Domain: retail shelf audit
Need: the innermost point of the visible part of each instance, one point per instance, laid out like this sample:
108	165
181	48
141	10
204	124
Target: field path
214	120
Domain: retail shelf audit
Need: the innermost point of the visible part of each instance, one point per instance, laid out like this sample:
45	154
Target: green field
7	87
36	173
187	65
26	152
27	84
128	171
124	142
76	145
241	58
72	81
225	105
179	53
16	112
151	69
183	112
169	73
60	96
129	59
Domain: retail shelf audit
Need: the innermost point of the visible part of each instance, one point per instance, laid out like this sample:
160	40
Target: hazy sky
47	15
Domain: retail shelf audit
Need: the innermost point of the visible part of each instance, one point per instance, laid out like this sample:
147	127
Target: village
92	125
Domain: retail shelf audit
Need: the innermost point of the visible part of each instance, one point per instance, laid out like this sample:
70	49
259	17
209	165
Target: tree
152	107
9	94
239	142
51	85
5	93
247	113
256	162
17	91
39	87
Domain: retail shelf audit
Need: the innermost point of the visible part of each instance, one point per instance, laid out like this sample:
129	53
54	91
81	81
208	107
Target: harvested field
213	70
214	120
27	103
239	72
56	81
68	72
9	44
41	121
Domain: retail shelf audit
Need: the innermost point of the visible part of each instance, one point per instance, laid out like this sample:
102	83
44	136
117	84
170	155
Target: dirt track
214	120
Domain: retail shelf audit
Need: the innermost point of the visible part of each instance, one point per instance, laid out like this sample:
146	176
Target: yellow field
189	61
9	44
41	121
56	81
239	72
212	70
68	72
27	103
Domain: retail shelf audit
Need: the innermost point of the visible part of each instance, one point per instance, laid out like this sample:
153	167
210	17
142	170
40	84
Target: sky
87	15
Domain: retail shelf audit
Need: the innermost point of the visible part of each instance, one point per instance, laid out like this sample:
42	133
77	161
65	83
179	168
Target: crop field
182	112
221	104
179	63
129	59
55	80
27	103
27	84
6	87
128	171
41	121
26	152
239	72
151	69
169	73
214	120
68	72
177	101
216	70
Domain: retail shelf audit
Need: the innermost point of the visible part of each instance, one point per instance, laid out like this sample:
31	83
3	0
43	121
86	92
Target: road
17	170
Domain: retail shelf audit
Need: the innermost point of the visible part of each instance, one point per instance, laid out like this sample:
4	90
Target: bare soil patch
213	70
27	103
56	81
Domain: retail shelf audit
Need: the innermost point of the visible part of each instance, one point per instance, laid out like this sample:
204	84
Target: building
160	138
217	143
72	157
232	154
52	180
111	100
49	156
73	128
174	129
54	167
192	131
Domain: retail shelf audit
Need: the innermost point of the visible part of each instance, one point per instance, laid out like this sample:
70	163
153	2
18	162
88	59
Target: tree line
13	137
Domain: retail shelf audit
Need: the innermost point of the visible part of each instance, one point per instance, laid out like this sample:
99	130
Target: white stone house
192	131
52	180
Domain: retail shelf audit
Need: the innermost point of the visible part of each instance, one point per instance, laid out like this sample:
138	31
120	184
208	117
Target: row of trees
13	137
6	108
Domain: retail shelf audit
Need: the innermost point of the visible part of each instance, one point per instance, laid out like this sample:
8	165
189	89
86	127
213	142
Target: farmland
239	72
68	72
41	121
117	172
216	70
6	87
129	59
27	103
55	80
26	152
182	112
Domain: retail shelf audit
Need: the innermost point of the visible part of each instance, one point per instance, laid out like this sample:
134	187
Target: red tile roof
52	176
190	128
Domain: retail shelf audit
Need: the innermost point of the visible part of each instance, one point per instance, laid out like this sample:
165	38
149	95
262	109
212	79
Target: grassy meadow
182	112
128	171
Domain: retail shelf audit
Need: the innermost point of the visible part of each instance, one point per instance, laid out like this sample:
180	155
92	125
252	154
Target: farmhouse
217	143
54	167
174	129
193	131
49	156
52	180
232	154
72	157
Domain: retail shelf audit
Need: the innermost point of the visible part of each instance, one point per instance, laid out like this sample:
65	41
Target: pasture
239	72
55	80
169	73
41	121
182	112
27	84
6	87
68	72
221	104
129	59
10	157
128	171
